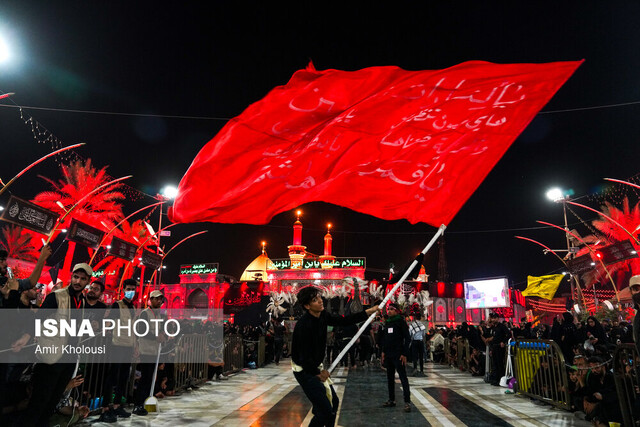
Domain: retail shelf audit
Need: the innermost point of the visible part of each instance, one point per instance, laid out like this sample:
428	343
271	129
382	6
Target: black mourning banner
84	234
580	264
122	249
618	252
150	259
29	215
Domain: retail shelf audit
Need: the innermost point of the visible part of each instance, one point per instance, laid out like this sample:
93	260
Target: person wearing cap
395	348
49	377
634	287
148	350
308	349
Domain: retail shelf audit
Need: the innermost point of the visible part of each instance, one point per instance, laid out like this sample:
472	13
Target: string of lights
616	193
42	135
167	116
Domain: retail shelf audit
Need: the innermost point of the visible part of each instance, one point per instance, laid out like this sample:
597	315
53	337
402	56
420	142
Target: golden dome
257	270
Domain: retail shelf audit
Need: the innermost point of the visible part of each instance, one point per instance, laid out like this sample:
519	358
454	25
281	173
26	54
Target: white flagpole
386	298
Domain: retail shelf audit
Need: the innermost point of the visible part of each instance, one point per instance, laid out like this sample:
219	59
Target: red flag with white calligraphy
382	140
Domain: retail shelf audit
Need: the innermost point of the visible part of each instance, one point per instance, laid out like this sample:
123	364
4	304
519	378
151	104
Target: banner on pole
29	215
84	234
122	249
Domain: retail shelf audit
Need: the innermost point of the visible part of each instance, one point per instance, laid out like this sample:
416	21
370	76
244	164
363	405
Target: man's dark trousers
324	412
393	364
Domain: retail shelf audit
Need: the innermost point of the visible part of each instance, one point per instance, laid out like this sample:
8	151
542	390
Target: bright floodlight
4	51
170	192
555	194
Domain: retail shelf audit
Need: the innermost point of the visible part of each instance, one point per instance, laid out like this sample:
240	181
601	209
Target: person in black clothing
50	380
395	348
567	336
601	400
307	352
277	330
498	347
595	329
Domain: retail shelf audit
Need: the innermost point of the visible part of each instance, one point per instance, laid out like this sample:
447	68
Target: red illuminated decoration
297	252
505	312
440	288
609	233
459	290
459	309
383	130
440	309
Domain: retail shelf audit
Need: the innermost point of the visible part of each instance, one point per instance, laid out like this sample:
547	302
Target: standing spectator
395	347
416	330
567	336
366	345
50	378
498	348
278	330
119	373
148	348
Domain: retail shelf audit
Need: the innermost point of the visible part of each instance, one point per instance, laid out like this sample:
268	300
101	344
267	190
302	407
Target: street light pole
158	279
168	193
570	253
557	195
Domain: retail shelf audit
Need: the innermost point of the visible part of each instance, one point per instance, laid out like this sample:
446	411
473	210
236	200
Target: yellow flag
543	286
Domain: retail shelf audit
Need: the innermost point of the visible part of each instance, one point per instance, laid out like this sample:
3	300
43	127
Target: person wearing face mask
118	373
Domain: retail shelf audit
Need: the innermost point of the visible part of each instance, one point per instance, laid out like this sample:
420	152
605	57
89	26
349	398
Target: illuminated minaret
297	251
327	258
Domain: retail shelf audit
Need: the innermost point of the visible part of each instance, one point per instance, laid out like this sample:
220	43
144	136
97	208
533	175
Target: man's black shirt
310	338
501	334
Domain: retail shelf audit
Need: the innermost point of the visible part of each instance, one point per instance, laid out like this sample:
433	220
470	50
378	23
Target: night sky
210	60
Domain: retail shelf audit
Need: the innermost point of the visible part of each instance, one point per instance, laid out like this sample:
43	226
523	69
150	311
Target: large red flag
383	141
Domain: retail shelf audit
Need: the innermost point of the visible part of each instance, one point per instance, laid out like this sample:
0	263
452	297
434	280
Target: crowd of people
587	348
31	394
53	390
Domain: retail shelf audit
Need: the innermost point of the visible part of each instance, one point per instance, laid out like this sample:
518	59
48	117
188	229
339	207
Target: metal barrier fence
540	372
186	372
233	353
625	374
100	376
447	351
463	354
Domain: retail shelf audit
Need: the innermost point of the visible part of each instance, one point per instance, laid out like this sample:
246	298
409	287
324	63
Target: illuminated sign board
285	263
199	268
